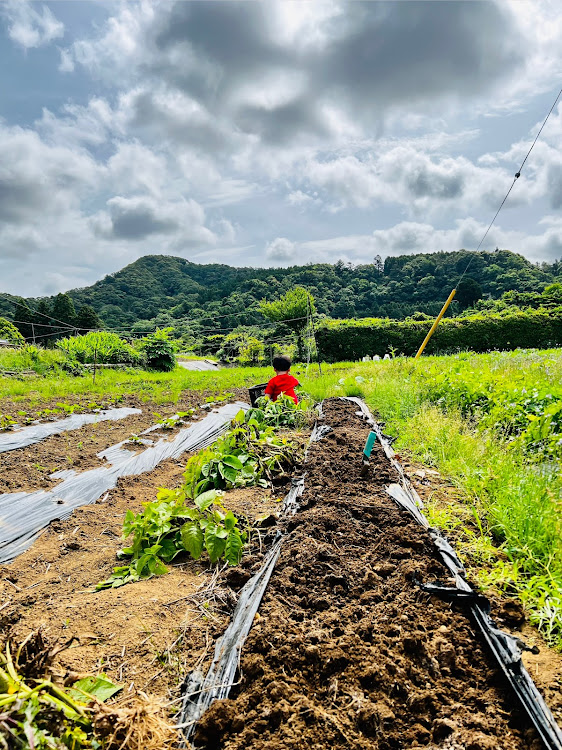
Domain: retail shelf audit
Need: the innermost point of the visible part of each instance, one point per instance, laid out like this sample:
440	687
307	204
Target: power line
35	312
515	178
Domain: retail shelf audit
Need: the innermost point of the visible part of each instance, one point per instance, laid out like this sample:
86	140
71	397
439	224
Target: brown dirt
146	635
346	650
28	469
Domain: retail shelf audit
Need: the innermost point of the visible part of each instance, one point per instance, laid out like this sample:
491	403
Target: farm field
345	648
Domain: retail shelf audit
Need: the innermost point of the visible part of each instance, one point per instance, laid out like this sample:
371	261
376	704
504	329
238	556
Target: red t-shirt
282	383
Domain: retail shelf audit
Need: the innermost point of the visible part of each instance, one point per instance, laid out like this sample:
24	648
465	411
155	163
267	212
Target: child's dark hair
282	364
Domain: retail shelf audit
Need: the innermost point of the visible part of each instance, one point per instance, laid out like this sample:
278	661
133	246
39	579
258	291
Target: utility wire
516	177
35	312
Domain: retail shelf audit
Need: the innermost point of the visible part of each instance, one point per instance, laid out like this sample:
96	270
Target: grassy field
491	424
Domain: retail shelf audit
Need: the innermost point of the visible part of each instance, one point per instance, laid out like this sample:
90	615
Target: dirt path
346	650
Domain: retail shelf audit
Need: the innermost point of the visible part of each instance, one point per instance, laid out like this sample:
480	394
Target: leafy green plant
249	454
101	347
158	350
168	526
6	422
36	713
281	413
168	423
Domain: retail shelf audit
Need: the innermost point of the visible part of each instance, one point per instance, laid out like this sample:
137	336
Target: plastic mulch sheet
505	648
23	515
199	690
11	441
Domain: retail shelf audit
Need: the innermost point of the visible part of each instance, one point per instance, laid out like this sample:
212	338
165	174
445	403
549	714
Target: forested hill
167	288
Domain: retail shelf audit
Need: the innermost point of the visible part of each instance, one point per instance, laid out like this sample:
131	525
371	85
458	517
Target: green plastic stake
371	440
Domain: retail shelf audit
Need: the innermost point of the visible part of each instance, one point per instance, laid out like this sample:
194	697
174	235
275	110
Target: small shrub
158	350
10	333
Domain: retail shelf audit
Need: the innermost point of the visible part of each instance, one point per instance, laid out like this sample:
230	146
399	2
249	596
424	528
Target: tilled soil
346	651
545	667
145	635
27	469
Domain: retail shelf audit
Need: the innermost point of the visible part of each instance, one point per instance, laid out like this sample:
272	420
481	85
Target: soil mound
346	650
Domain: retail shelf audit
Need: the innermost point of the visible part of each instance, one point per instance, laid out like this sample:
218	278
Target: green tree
88	319
42	322
23	318
295	308
63	312
553	293
468	293
8	332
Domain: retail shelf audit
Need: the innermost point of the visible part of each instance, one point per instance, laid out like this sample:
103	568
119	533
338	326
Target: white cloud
38	181
281	250
31	24
212	125
139	217
409	238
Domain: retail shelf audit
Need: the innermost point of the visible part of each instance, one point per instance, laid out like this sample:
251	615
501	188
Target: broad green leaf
192	539
214	544
233	461
141	563
228	473
201	487
230	521
193	513
156	566
206	499
239	417
169	550
92	687
165	494
234	547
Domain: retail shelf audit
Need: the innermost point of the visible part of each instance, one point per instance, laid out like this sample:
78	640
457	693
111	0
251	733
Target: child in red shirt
283	382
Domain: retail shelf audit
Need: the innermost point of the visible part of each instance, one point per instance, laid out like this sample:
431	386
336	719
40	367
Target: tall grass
40	361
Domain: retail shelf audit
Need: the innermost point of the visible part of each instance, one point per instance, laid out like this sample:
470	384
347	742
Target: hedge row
341	340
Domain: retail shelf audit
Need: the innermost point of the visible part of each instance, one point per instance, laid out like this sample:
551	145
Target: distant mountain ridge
164	289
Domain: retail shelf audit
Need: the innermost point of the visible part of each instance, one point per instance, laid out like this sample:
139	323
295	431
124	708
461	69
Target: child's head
281	364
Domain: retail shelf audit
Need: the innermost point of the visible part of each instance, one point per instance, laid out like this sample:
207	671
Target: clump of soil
347	651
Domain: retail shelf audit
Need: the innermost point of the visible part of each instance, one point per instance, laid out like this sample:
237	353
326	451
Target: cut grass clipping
36	713
193	518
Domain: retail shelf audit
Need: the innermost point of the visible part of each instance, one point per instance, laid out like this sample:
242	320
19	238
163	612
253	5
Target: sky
272	133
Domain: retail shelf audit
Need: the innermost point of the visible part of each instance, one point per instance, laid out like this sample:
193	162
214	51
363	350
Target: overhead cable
515	178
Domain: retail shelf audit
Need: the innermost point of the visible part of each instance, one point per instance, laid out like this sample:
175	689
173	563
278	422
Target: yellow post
434	326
